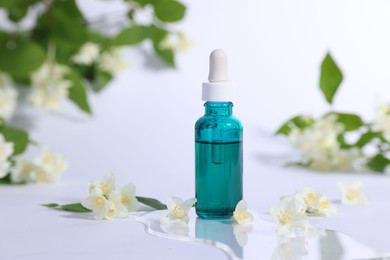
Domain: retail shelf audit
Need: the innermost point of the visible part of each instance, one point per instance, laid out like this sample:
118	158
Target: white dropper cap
218	88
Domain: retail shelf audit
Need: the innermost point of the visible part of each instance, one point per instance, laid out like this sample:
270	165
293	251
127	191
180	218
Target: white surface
29	231
142	128
259	241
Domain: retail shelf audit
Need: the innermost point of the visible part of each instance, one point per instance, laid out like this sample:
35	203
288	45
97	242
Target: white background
142	127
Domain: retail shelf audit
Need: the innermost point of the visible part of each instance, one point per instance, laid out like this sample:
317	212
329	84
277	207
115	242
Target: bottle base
215	214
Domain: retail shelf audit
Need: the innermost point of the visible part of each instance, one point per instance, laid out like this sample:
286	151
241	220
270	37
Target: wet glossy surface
260	241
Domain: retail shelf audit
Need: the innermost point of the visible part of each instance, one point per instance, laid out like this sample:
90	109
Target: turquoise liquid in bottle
218	161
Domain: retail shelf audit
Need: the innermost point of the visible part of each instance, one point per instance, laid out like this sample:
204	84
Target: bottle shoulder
218	129
230	122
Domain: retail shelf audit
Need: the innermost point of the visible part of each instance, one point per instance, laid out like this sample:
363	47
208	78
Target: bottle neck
218	108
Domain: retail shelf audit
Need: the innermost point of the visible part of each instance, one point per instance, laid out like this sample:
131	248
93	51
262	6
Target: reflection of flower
8	97
243	218
240	232
320	147
290	217
111	61
177	211
241	214
352	194
49	86
316	202
290	248
178	229
88	54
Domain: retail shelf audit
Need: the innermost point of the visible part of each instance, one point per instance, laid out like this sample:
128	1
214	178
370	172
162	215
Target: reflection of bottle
218	146
220	231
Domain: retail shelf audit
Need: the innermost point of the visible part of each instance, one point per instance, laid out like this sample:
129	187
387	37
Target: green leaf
3	38
77	93
169	10
158	34
102	79
299	121
17	14
17	9
23	81
63	26
156	204
166	54
351	122
131	14
143	3
75	207
342	142
7	181
50	205
330	79
70	8
366	138
98	38
131	36
378	163
20	57
17	136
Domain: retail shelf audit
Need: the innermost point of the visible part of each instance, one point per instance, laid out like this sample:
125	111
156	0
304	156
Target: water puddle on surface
259	241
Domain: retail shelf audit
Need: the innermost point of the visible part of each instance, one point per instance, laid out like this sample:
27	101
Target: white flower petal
101	207
352	194
177	210
173	202
88	54
111	61
129	199
119	210
24	171
187	205
242	205
49	86
315	202
241	215
105	186
289	216
49	166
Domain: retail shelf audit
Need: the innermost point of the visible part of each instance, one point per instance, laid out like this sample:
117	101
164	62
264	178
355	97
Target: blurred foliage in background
62	54
339	141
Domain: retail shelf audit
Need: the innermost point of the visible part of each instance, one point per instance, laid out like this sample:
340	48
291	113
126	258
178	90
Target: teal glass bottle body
218	161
